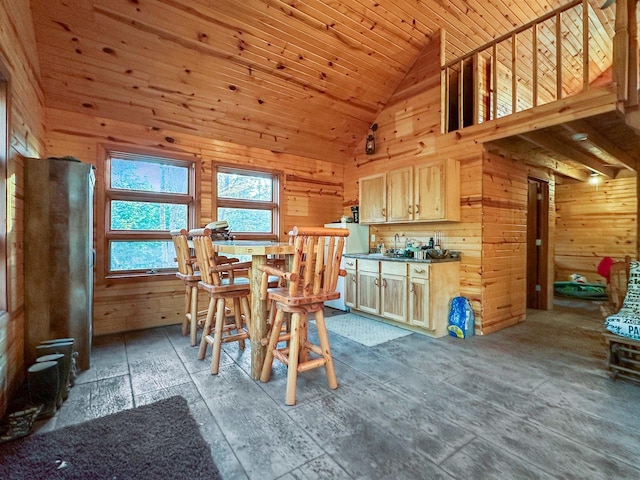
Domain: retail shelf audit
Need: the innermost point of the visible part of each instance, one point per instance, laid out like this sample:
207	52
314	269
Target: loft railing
543	61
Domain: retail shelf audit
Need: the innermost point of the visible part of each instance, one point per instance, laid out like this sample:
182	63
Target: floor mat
363	330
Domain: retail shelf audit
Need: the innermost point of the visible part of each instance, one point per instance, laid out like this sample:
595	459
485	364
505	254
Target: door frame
537	243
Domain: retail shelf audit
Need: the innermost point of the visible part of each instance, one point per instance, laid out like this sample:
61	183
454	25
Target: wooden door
537	243
373	199
400	195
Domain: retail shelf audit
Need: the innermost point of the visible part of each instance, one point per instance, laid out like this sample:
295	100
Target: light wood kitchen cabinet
419	296
368	286
393	291
373	199
426	192
414	294
350	284
437	191
400	195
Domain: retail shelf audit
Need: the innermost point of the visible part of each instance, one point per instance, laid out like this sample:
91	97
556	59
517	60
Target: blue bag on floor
461	320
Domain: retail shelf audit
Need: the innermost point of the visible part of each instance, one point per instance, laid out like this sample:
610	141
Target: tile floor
530	402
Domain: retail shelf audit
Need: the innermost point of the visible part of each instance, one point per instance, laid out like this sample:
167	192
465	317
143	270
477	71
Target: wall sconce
370	146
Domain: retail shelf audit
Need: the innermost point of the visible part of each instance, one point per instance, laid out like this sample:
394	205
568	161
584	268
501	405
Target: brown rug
156	441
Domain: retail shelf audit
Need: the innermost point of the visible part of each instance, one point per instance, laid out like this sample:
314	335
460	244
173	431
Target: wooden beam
599	140
548	142
621	50
510	148
585	44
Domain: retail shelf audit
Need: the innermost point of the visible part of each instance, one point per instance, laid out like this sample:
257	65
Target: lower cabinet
410	293
368	281
393	291
419	296
350	284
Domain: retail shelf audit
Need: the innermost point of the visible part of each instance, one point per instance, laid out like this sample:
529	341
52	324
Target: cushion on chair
627	321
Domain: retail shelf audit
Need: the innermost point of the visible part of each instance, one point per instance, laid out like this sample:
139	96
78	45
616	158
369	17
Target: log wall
312	195
595	222
26	139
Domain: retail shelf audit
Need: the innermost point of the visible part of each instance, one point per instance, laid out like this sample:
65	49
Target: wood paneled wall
492	232
504	242
595	222
26	139
312	195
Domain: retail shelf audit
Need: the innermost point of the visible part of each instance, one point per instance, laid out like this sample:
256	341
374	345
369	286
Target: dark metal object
59	228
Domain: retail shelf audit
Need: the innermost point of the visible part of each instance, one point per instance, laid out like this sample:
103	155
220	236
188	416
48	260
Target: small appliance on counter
356	242
355	213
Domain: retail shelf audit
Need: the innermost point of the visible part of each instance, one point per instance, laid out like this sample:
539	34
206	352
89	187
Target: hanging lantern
370	145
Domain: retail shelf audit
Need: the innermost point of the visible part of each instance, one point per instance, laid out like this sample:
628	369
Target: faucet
396	237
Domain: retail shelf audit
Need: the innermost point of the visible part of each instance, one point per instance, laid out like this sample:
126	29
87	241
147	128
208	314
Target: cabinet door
400	195
373	199
419	302
350	285
393	293
369	292
437	191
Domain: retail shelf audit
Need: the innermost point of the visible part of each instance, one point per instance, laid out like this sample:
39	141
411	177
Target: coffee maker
355	212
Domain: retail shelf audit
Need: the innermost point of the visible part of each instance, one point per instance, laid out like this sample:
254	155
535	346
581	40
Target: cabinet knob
417	209
384	282
409	210
350	264
422	270
384	212
376	283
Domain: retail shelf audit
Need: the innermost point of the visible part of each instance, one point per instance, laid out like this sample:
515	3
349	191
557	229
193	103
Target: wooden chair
312	280
220	281
623	323
191	278
617	286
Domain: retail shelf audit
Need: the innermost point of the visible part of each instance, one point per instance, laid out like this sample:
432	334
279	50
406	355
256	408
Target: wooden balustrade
543	61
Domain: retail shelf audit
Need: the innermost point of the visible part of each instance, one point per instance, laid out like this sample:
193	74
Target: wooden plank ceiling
302	77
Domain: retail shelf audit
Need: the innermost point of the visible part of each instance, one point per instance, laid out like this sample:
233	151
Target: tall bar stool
220	281
312	280
191	278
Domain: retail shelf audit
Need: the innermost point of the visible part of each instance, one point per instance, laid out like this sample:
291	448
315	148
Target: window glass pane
246	187
127	215
246	220
149	176
145	255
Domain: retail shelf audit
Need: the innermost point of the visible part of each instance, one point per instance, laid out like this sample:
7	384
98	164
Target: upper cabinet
437	191
373	199
423	193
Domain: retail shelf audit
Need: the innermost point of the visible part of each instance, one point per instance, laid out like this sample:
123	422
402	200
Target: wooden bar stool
191	278
220	281
312	280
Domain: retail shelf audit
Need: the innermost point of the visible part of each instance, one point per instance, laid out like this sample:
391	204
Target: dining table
259	251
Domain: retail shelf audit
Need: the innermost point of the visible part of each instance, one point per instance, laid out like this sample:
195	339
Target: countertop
380	256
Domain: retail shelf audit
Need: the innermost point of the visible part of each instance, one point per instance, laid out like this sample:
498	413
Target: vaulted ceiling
302	77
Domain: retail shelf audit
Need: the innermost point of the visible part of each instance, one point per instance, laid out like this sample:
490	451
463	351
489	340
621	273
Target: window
146	197
248	200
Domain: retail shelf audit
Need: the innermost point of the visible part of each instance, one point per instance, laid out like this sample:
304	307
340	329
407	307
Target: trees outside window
147	197
248	200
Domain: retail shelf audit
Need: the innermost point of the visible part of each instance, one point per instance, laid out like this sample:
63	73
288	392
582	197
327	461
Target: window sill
138	277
